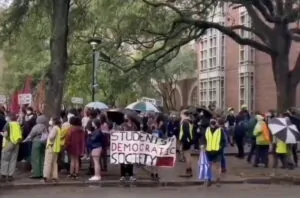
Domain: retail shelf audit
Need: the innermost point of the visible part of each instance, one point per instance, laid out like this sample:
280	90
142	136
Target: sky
5	3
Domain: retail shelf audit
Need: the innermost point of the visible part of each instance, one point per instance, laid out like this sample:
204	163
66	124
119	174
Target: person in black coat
2	124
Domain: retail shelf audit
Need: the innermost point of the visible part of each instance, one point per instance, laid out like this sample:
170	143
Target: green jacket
258	133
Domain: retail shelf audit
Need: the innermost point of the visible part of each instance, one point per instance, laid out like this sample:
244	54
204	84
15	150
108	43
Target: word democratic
135	147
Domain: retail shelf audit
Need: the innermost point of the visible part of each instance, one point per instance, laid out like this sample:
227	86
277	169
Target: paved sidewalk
238	172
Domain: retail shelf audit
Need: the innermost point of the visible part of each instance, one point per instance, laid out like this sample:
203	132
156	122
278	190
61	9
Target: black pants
240	146
282	158
262	155
294	153
197	136
126	170
252	149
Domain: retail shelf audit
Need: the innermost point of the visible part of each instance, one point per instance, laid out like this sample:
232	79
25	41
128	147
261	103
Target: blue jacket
95	140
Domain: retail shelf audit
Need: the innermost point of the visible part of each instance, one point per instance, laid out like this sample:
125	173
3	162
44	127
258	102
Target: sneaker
95	178
122	178
132	179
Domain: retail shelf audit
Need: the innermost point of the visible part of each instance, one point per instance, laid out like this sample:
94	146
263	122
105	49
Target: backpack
266	132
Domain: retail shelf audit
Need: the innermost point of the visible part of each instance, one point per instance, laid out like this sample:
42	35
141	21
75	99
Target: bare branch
259	24
248	29
229	32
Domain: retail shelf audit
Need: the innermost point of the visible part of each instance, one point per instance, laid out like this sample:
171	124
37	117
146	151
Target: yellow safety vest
213	140
281	147
15	134
181	131
56	144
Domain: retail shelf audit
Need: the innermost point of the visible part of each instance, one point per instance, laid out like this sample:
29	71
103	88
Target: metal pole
93	78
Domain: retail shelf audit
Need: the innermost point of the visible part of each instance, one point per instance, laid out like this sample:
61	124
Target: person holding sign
186	141
127	169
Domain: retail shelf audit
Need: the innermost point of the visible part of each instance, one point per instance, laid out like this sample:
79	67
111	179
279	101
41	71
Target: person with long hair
53	147
186	141
75	145
95	143
106	136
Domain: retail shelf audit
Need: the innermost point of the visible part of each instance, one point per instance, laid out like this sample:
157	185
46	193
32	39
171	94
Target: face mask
28	112
231	112
201	113
50	122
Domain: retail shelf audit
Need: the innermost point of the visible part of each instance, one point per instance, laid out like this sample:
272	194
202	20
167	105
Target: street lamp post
94	42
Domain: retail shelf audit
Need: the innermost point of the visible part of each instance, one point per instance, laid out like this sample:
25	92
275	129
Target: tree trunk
59	57
285	86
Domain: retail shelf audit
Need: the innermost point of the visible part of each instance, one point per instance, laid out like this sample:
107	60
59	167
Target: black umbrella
196	110
116	116
134	116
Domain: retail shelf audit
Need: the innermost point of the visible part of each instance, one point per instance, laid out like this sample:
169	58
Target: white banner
24	99
135	147
76	100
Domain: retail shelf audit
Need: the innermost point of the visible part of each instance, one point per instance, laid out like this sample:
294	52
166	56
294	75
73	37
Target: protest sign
135	147
24	99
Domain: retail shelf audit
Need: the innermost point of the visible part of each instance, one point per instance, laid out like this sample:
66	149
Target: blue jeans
223	160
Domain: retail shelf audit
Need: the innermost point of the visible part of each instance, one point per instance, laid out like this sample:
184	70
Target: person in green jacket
262	145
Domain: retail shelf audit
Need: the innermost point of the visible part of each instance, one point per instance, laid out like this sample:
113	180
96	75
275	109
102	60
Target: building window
242	54
246	89
194	97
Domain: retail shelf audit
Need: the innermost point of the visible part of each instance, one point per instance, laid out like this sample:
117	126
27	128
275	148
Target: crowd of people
60	143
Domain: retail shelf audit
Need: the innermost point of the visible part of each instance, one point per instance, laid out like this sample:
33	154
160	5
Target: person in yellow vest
53	148
281	153
214	142
262	144
186	141
12	136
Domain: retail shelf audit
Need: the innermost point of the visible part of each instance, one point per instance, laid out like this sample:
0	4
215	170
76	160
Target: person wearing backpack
12	136
38	135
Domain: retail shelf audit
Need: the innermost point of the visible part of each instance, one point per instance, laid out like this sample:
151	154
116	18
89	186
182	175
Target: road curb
115	183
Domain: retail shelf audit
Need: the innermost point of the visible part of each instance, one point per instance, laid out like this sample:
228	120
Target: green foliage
126	29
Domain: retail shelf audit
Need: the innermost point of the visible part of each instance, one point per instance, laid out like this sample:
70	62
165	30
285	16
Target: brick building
230	74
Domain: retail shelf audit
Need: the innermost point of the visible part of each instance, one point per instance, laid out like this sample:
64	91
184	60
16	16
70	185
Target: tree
58	11
274	24
165	79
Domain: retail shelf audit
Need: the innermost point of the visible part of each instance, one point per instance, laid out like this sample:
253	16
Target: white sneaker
95	178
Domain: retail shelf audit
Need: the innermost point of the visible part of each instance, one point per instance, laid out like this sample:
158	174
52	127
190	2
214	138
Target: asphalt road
232	191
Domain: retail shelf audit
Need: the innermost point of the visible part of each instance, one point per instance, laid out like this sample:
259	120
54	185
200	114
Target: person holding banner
127	169
214	142
186	140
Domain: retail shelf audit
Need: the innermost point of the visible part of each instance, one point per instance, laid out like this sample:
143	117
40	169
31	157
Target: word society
133	147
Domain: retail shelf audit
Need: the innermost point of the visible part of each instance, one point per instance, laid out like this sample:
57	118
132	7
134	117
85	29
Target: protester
106	139
95	141
12	136
75	145
157	133
2	124
214	142
38	136
262	143
25	148
186	141
127	169
53	148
